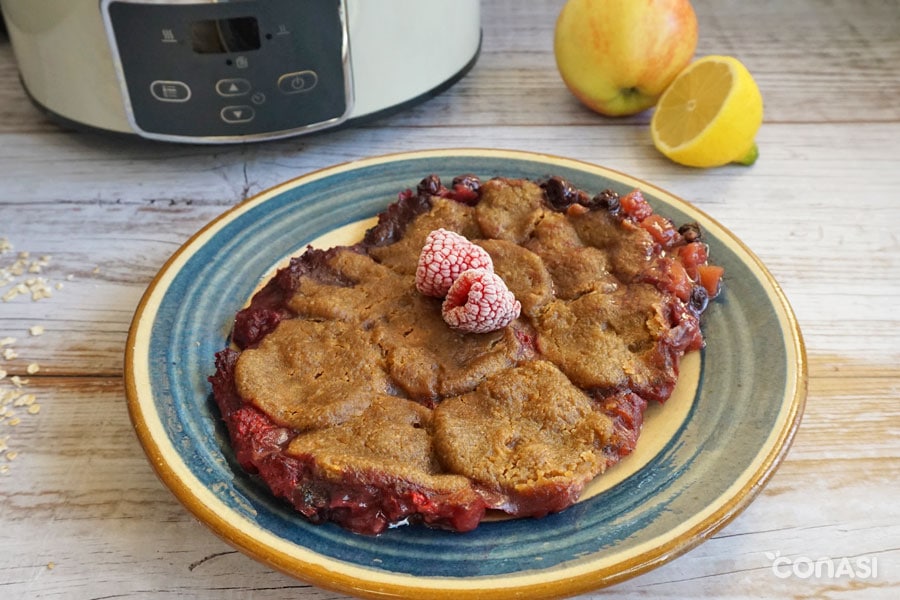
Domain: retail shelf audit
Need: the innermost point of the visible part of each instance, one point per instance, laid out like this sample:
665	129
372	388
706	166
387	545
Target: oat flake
20	275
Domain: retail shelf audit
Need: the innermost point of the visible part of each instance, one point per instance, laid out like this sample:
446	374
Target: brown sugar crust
526	429
524	272
608	341
330	381
509	210
575	267
354	401
628	247
390	436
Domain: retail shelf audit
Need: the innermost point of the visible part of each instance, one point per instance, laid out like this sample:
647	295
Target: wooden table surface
91	219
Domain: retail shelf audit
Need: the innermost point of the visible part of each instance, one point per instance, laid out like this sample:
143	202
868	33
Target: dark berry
606	200
560	194
699	299
430	186
465	189
690	232
470	182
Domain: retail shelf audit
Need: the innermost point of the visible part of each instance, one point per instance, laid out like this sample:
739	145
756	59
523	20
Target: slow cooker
234	71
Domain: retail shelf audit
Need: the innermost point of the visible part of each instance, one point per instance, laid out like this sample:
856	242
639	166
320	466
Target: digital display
222	36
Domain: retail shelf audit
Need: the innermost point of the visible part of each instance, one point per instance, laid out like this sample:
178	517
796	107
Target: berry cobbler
486	346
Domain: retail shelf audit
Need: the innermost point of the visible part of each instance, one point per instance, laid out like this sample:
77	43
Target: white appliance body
206	71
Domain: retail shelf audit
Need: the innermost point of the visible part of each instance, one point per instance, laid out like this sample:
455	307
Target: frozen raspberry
478	302
445	255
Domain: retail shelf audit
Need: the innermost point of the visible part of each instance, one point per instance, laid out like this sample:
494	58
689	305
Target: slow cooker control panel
246	69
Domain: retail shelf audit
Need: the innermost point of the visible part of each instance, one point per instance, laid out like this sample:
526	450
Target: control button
237	114
232	87
167	36
300	81
170	91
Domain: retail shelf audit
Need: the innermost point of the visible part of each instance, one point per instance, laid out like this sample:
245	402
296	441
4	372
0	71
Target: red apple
619	56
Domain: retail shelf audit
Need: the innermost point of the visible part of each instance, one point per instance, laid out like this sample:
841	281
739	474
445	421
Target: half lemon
709	115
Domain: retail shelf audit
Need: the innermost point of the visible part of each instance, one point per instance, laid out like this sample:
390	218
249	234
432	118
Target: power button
297	82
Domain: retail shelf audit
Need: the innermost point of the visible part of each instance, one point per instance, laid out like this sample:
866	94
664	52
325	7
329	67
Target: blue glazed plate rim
705	475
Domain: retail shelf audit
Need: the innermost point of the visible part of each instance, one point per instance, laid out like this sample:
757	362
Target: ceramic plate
730	423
